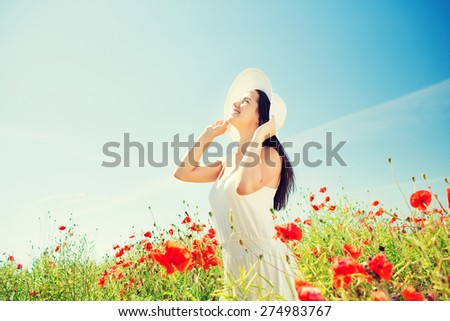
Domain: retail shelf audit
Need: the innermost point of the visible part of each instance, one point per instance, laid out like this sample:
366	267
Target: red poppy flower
176	256
379	296
57	248
204	254
343	268
119	253
186	220
327	199
410	294
19	266
341	281
331	208
315	207
288	232
381	266
148	234
11	258
310	293
323	189
311	197
448	196
420	199
351	250
375	203
393	219
379	212
62	228
197	227
101	282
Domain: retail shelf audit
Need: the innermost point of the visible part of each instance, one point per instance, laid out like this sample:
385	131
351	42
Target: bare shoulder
270	156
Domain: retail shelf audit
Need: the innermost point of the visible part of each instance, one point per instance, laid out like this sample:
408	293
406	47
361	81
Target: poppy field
343	251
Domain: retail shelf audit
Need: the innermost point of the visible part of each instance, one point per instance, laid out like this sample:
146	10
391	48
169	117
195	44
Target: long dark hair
287	180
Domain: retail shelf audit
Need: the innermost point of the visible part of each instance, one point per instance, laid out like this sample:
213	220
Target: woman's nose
237	104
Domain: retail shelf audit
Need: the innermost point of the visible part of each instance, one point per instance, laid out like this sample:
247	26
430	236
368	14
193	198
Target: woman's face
245	111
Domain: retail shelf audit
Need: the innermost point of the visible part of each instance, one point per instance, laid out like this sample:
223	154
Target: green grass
417	244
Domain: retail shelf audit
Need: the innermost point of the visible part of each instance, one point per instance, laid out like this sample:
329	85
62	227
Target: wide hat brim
248	80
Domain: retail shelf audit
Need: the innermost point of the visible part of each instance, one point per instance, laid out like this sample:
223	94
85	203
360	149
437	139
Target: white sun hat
248	80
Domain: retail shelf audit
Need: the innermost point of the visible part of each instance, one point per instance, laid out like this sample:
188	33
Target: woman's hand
266	130
218	128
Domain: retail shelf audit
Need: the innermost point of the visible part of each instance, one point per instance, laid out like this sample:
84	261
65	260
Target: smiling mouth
236	111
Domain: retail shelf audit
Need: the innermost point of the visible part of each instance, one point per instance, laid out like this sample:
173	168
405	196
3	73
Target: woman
248	184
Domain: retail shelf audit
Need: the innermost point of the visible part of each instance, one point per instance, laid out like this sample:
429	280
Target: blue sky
75	75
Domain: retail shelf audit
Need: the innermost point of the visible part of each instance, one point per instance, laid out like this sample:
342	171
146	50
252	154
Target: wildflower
420	199
315	207
57	248
375	203
379	296
341	282
186	220
448	196
197	227
288	232
410	294
19	266
62	228
148	234
204	254
119	253
307	222
379	212
311	197
33	293
171	231
11	258
393	219
327	199
420	220
176	256
343	268
211	233
323	189
101	282
331	208
351	250
308	292
381	266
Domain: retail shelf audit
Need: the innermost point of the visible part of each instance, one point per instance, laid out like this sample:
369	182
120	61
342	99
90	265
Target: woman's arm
189	169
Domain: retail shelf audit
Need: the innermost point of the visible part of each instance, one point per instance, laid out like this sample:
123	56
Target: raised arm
189	169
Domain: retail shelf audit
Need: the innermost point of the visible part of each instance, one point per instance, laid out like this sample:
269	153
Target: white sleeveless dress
254	262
